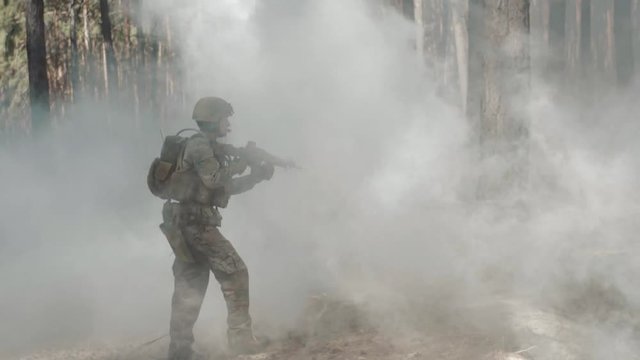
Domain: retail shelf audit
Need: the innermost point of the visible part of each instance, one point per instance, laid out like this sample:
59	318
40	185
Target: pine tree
108	54
37	60
623	42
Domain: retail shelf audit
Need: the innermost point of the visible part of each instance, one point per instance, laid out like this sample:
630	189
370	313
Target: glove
238	166
262	172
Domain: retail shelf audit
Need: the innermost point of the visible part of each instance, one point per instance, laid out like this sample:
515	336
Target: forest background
97	50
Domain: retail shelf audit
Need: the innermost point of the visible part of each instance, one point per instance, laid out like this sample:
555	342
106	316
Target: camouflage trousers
211	252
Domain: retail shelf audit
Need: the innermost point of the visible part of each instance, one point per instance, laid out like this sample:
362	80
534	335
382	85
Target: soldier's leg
235	289
231	272
191	280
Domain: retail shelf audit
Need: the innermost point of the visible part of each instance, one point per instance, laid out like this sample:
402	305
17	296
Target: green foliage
14	78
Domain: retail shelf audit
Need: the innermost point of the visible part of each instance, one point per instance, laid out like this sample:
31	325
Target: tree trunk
545	11
109	58
408	9
461	50
475	73
127	64
168	58
505	68
636	30
450	75
140	60
127	30
436	17
623	42
609	59
73	40
584	28
581	54
443	39
503	127
582	80
419	25
89	82
13	29
153	61
37	65
431	33
85	25
557	38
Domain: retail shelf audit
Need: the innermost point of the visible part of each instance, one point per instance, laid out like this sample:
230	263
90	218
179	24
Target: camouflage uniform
197	223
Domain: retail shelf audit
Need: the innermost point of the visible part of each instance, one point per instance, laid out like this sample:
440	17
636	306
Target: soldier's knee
242	275
235	288
238	280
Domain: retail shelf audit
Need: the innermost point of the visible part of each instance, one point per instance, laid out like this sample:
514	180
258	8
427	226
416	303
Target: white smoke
381	212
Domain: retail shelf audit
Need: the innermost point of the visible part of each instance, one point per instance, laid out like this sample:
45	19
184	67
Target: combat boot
245	343
186	354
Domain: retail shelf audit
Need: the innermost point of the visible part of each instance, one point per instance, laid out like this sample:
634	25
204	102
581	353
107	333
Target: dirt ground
329	330
369	345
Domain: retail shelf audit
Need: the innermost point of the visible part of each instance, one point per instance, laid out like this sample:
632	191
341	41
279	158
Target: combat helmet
211	109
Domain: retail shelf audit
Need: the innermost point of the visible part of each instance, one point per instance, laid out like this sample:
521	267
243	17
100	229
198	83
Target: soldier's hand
238	166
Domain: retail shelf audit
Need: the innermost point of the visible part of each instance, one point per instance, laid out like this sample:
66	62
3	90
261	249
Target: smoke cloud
382	212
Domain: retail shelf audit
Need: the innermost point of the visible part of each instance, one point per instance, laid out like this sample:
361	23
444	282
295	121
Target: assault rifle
258	156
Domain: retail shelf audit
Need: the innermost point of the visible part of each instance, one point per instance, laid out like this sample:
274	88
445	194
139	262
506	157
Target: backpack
161	178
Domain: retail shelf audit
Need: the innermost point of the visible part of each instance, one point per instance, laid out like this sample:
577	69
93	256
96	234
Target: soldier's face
224	127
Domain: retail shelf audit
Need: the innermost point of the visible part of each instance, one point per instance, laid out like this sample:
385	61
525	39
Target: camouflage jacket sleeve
199	154
240	184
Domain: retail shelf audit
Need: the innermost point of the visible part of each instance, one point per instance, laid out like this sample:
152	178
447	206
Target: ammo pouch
199	216
172	232
177	242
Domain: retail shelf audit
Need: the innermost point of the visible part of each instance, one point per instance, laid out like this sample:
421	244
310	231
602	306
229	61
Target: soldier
193	224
